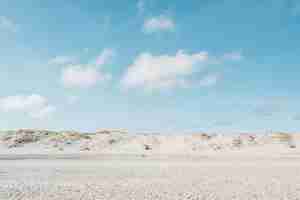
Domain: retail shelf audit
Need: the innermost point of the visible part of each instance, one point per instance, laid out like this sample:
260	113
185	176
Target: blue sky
149	65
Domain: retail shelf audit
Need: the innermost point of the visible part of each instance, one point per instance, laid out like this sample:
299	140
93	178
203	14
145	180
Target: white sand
171	167
125	177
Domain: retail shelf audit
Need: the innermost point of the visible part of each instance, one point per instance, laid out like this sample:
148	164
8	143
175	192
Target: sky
150	66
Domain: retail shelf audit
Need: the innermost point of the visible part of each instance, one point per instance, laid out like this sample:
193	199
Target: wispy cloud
160	23
34	105
7	24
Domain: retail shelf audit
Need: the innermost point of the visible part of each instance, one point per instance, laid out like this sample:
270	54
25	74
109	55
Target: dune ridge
120	141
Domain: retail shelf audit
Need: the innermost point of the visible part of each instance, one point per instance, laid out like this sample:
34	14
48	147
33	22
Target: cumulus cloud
82	76
165	71
159	23
7	24
233	56
105	56
35	106
86	75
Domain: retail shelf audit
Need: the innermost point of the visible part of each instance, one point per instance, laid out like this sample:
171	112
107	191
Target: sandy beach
42	165
134	177
149	100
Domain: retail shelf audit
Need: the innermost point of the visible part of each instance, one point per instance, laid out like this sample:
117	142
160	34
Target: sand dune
121	142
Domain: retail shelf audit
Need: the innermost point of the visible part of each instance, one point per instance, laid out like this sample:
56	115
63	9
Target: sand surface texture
132	177
43	165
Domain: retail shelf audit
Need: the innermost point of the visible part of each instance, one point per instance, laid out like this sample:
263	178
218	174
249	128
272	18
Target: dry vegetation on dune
120	142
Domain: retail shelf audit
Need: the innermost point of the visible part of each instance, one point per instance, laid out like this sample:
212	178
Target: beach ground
149	177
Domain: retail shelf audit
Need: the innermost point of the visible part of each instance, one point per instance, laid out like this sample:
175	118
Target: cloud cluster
159	23
35	106
147	71
166	71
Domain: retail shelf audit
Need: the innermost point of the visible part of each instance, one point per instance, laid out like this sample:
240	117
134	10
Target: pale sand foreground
224	176
45	165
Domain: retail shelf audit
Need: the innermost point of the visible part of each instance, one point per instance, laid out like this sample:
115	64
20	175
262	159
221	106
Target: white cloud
83	77
233	56
104	56
165	71
35	106
62	60
7	24
159	23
